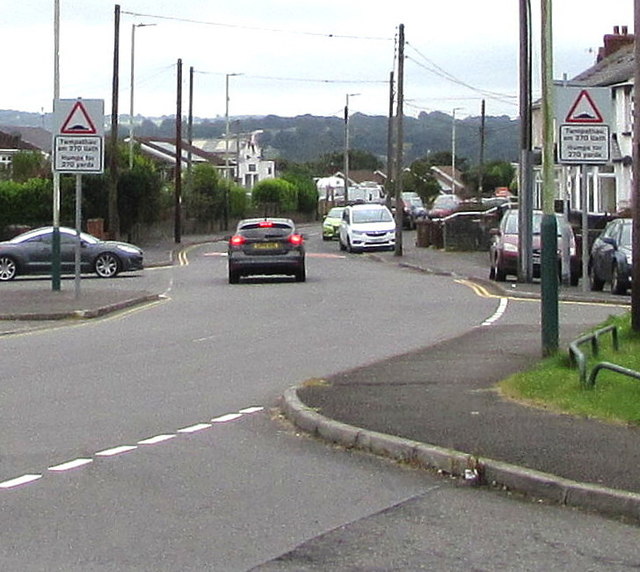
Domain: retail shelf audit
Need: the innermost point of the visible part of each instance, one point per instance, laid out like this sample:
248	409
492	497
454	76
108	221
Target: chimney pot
625	30
616	30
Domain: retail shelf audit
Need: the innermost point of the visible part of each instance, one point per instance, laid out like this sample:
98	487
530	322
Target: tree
495	174
275	196
205	198
28	165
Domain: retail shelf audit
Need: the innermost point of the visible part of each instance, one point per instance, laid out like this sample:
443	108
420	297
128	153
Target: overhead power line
258	28
301	80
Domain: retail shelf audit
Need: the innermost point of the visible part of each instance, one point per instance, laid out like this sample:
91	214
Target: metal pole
55	239
78	246
133	49
177	225
584	202
346	152
114	218
390	127
635	203
548	227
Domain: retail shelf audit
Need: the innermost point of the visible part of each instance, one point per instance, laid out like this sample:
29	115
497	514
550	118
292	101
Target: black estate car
266	246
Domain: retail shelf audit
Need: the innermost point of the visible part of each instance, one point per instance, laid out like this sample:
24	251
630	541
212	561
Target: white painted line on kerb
70	465
116	450
225	418
23	480
502	307
194	428
156	439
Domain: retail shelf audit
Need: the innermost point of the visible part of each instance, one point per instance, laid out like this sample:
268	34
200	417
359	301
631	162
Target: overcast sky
295	56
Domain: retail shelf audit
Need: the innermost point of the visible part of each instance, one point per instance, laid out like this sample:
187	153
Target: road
150	440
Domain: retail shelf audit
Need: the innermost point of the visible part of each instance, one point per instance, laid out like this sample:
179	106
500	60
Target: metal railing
578	357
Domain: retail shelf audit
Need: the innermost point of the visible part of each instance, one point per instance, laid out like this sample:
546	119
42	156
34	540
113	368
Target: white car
367	227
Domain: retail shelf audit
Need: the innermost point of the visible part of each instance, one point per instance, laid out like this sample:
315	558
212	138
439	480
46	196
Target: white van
367	227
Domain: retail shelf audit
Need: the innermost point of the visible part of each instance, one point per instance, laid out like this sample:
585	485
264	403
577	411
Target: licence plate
266	245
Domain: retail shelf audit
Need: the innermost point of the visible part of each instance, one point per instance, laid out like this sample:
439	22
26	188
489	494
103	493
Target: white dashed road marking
120	449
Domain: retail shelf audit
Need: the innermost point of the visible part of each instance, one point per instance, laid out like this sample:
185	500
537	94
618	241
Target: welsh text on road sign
75	154
584	143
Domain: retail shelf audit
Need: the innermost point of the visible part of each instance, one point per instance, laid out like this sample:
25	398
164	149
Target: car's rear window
372	215
276	230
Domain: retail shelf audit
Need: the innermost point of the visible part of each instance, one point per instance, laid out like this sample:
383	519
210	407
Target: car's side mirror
494	232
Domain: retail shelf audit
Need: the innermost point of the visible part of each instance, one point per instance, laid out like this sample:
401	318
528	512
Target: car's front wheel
595	284
618	284
8	268
107	265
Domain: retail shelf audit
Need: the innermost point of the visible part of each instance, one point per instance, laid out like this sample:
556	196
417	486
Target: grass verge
555	384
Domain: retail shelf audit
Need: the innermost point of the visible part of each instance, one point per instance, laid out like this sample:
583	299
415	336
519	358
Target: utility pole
114	219
635	202
525	179
399	142
177	226
389	183
481	162
548	225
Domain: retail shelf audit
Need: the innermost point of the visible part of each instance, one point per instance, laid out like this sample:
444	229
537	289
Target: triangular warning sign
584	110
78	121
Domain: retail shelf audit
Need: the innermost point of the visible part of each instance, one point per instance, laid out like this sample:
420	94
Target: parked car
503	251
331	224
611	257
444	205
367	227
31	253
413	209
266	246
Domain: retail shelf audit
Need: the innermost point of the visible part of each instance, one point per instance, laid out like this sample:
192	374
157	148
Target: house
448	184
241	156
608	185
17	139
238	157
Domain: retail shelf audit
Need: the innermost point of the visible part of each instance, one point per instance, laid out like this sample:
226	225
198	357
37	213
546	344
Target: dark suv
266	246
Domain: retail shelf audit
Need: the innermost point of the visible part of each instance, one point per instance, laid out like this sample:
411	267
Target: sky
290	57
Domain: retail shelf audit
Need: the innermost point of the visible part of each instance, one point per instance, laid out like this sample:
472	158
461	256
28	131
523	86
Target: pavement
436	407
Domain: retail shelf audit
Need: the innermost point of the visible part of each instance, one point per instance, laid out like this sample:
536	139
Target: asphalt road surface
150	440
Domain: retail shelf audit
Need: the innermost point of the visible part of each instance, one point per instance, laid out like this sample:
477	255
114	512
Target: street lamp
346	147
453	151
133	44
226	131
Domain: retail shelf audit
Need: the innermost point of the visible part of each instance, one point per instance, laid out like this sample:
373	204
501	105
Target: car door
605	251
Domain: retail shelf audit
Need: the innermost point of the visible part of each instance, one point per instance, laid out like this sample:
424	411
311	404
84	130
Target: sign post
78	148
583	116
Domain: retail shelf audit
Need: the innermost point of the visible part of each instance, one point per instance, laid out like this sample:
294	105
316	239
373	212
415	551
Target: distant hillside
307	137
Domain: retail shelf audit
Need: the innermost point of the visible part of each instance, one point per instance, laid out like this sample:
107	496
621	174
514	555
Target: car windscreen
625	237
372	215
511	223
335	213
255	231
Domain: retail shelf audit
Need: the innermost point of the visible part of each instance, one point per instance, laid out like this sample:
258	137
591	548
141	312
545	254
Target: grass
554	383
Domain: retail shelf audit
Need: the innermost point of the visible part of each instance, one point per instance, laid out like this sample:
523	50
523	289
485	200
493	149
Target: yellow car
331	224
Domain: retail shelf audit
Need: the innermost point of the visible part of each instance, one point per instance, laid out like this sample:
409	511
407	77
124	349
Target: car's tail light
296	239
237	240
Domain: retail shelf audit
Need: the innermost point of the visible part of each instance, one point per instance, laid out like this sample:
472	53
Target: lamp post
226	130
133	50
453	151
346	147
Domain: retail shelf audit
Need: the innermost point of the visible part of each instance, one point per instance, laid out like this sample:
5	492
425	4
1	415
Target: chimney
613	42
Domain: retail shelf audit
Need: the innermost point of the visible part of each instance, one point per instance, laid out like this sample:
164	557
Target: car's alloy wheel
107	265
8	268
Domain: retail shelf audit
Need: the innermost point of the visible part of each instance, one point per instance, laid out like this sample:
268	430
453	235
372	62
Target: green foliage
29	203
495	174
329	163
205	194
554	384
307	194
28	165
274	196
238	202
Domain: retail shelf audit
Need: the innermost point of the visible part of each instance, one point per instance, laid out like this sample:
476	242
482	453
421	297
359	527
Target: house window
252	168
